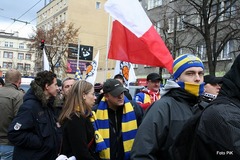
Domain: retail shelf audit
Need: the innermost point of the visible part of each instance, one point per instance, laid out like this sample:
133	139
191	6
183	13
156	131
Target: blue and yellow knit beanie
184	62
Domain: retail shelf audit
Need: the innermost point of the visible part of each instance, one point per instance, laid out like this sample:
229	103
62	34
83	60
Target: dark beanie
98	87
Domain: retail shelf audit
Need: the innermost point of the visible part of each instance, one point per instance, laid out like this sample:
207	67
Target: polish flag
134	38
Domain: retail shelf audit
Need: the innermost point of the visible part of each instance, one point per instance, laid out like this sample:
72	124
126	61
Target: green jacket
10	100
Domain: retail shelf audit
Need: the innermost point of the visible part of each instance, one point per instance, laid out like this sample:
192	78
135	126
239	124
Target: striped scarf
101	126
195	89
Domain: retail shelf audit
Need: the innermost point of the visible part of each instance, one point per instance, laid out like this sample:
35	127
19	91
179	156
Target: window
7	64
21	45
27	67
231	9
180	23
20	56
201	51
154	3
64	16
28	56
98	5
11	44
198	20
7	54
228	48
158	27
20	66
170	25
6	44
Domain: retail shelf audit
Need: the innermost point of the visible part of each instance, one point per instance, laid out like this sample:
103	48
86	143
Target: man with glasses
151	93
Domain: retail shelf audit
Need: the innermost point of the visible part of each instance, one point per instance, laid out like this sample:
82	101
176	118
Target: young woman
78	132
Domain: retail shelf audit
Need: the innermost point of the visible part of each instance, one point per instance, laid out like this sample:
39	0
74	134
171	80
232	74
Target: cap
184	62
212	79
114	87
153	77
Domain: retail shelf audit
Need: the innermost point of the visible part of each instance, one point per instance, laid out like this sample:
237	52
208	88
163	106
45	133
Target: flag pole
78	52
108	38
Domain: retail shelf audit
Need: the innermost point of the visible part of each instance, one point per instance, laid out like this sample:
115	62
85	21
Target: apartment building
15	53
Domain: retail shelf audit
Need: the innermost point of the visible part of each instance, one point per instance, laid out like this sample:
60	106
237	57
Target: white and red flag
134	38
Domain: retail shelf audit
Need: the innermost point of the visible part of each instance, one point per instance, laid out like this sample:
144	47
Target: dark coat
219	126
78	138
162	123
34	131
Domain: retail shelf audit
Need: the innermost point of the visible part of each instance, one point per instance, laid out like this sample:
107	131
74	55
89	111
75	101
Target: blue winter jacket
34	131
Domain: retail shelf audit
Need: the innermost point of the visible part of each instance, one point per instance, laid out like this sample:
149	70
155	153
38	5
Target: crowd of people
75	120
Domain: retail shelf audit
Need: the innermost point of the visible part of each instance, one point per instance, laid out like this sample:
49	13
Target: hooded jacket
34	131
219	127
163	121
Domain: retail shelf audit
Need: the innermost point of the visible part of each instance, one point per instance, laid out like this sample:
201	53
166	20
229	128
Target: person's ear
46	86
84	96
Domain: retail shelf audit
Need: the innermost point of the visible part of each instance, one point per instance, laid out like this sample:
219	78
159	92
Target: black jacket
78	133
34	131
163	121
219	126
115	122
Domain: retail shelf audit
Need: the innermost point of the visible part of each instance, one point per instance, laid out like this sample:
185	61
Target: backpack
183	147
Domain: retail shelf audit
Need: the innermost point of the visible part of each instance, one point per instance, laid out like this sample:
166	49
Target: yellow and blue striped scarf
195	89
101	125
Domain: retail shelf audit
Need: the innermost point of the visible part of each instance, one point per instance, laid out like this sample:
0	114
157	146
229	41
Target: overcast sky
23	10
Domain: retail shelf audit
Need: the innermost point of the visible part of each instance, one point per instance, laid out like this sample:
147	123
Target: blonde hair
75	103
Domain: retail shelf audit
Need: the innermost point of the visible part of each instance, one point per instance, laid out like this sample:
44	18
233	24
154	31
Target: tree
209	28
56	42
218	25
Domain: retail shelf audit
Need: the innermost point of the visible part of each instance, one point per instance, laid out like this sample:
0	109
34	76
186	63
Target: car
25	84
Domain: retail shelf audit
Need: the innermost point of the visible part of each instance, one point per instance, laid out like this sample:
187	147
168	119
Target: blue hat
184	62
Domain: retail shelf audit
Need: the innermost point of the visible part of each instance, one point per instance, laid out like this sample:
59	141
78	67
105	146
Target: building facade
92	21
15	53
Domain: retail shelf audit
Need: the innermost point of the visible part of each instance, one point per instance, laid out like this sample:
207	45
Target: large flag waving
134	38
91	72
127	71
45	61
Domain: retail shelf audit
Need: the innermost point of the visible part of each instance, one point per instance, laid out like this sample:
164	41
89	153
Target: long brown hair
75	103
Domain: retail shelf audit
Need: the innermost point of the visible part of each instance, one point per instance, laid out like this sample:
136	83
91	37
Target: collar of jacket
38	92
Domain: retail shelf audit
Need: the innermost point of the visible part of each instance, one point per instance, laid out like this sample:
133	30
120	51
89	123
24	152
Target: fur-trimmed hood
36	92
